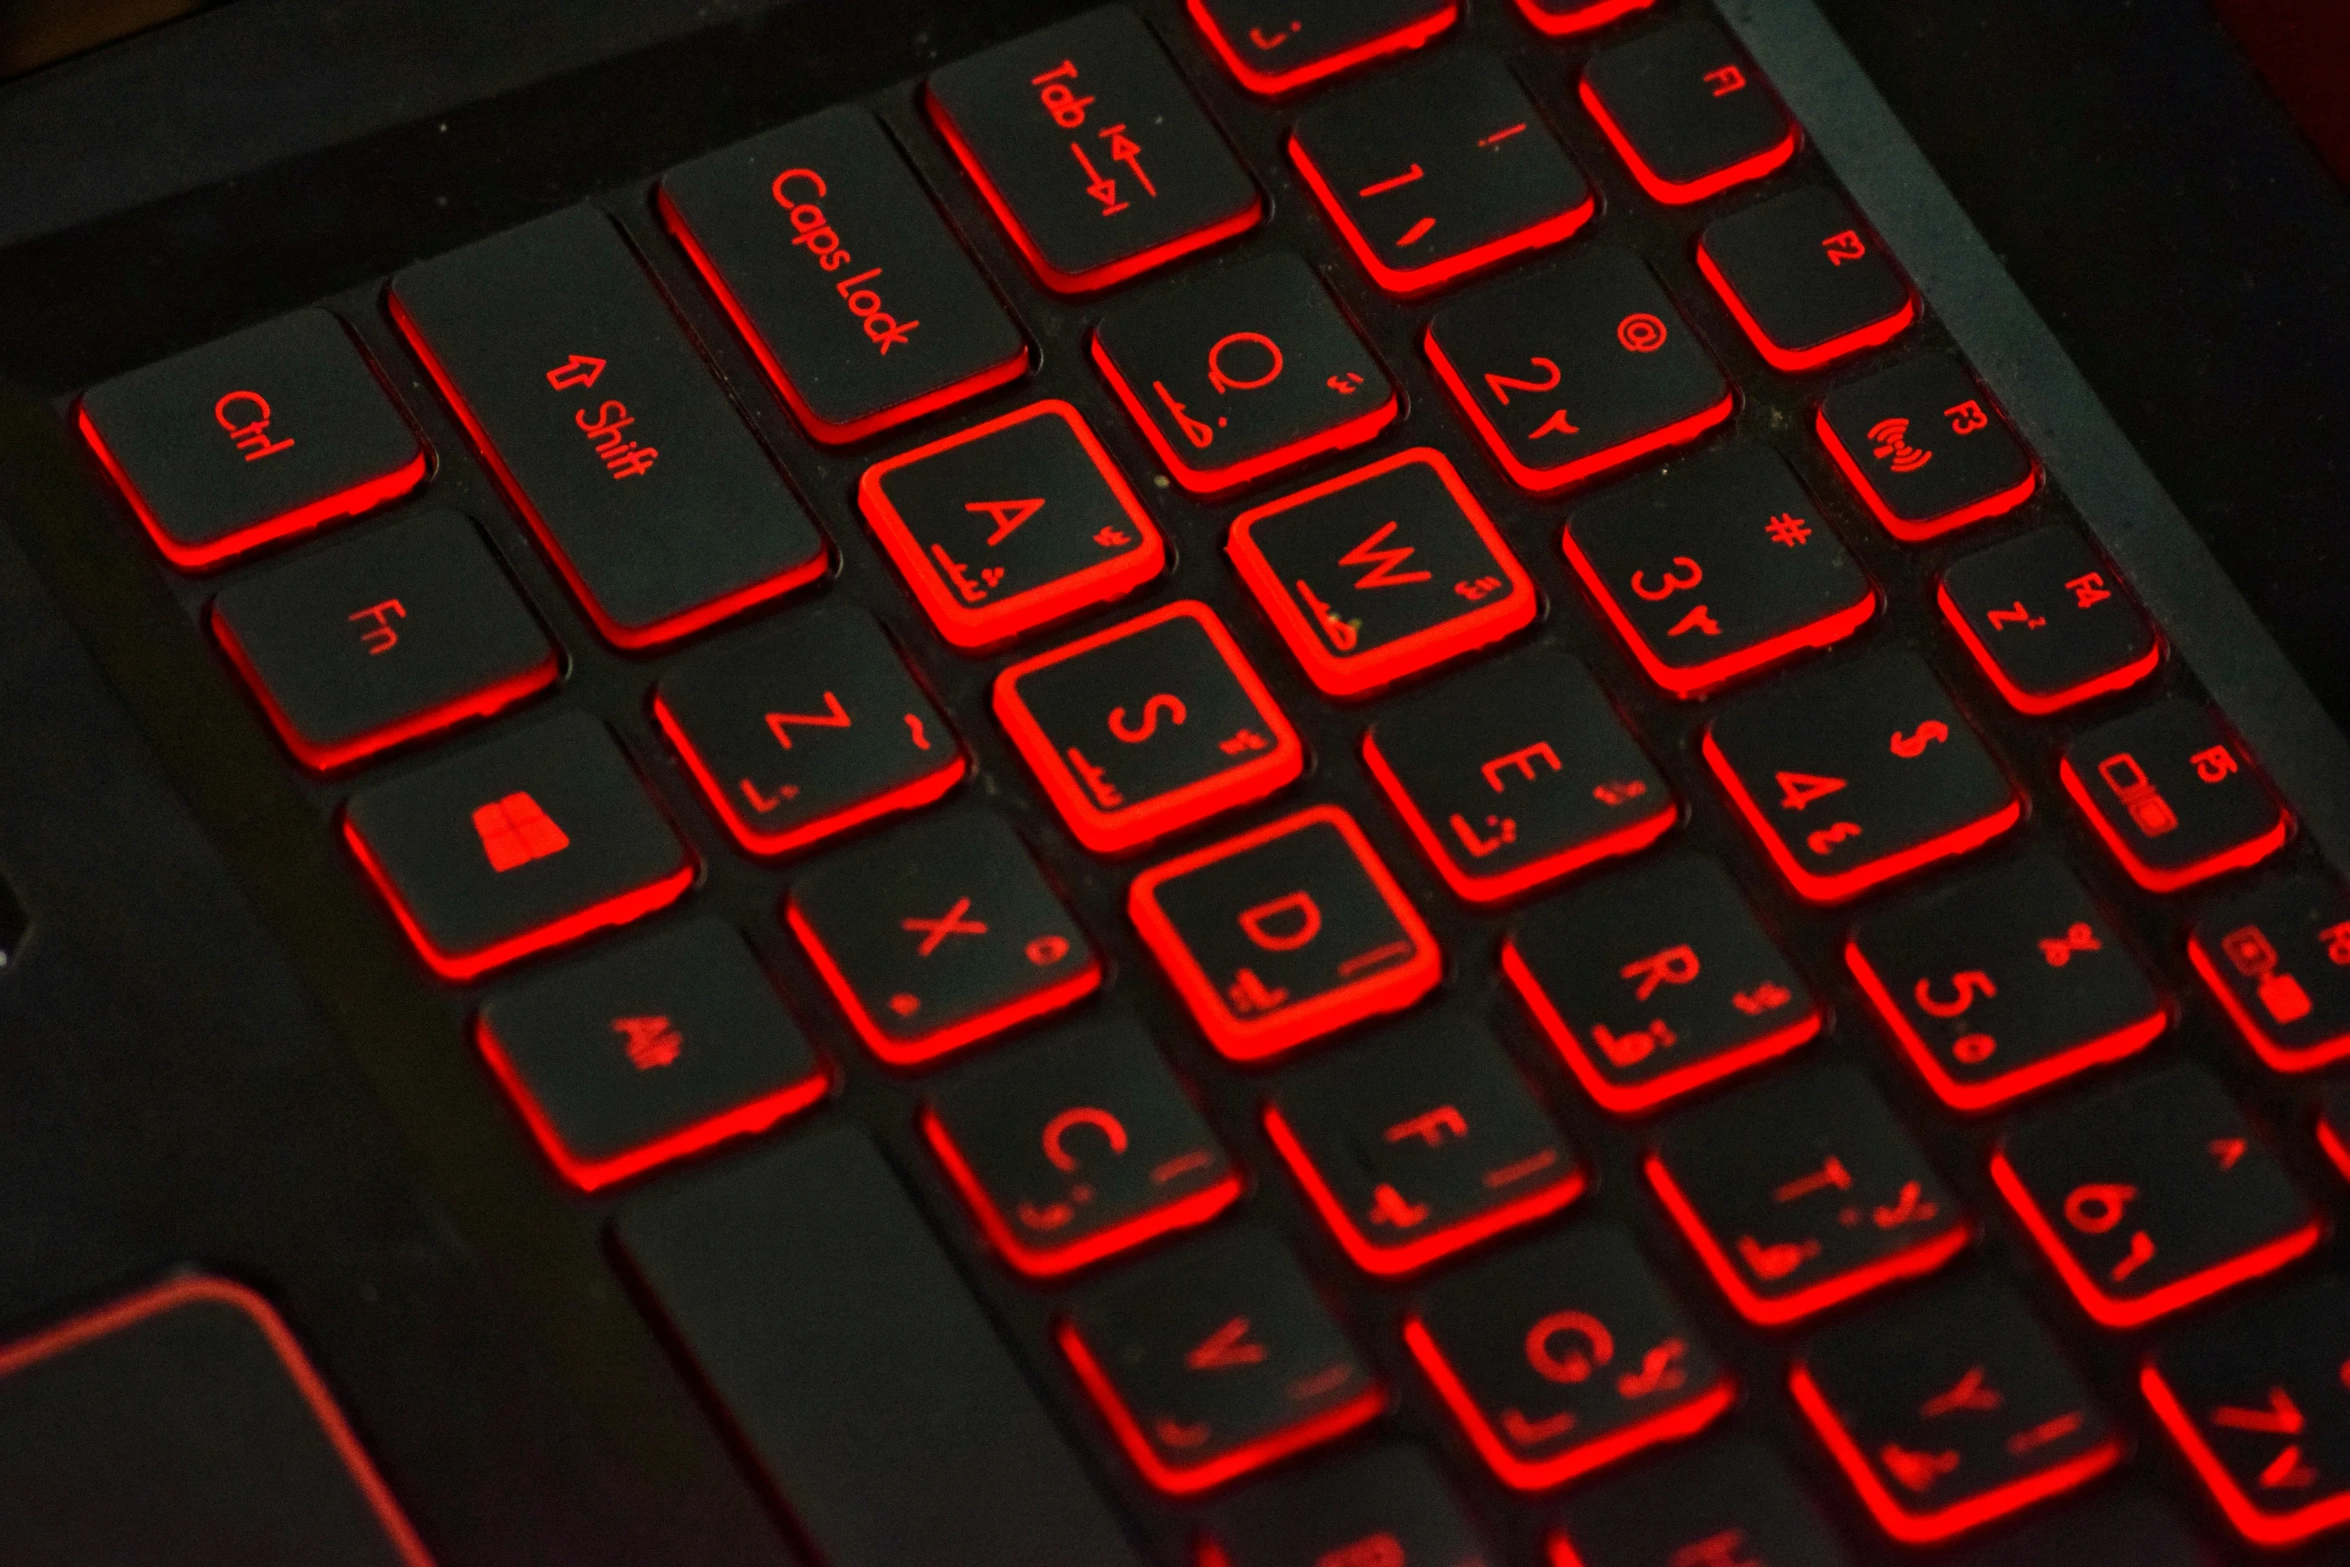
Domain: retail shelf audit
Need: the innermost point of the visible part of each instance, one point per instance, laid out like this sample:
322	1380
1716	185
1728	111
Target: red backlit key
1215	1360
265	434
1564	1355
1285	933
1952	1409
1077	1147
606	429
1559	18
1278	46
1718	566
2333	1126
1384	1508
2128	1526
1730	1503
2173	796
1011	525
1857	774
1434	174
517	845
2278	960
2003	983
1420	1143
1517	773
648	1052
1926	448
1804	1193
1577	368
807	728
939	934
1091	150
1805	280
851	291
1147	728
2049	622
1657	982
2152	1196
1242	369
1689	115
1382	572
373	641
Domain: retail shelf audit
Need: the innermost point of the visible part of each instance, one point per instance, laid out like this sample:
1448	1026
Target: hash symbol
1788	529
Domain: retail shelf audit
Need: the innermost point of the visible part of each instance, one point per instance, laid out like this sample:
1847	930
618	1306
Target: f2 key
1805	280
1278	46
2172	795
1925	448
2050	623
2278	960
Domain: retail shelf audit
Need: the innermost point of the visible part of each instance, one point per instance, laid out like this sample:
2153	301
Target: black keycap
2173	795
1091	150
1952	1409
2003	983
373	641
853	294
1561	18
2049	622
1804	1193
2278	960
1517	773
1285	933
1077	1147
1214	1360
1564	1355
1148	728
1581	366
1435	173
1011	525
1239	370
1385	1508
1381	573
1857	774
1688	113
2151	1196
262	435
607	430
1730	1503
1926	448
939	934
1278	46
517	845
183	1427
1420	1143
1657	982
1805	280
809	727
1719	566
847	1350
2256	1401
649	1052
2129	1527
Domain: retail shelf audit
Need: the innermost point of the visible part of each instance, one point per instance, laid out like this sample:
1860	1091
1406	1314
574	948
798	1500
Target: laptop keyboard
1411	785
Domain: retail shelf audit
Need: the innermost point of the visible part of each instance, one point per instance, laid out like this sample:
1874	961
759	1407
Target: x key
938	930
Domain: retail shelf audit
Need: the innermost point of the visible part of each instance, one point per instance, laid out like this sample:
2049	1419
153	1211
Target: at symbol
1641	332
1226	383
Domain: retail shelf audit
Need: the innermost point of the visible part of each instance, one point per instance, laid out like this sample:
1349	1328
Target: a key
265	434
1091	151
1216	1359
808	728
648	1052
1577	367
849	288
2050	624
2278	960
1242	369
1721	565
1853	775
1926	448
2003	983
1952	1409
377	640
522	843
2152	1196
1730	1503
606	429
1564	1355
1804	1193
1381	573
2127	1527
1077	1147
1439	172
1385	1508
1689	115
1517	773
1278	46
1011	525
1148	728
1285	933
1805	279
2173	795
1656	982
939	934
1420	1143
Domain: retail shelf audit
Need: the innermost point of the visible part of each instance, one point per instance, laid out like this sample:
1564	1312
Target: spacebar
878	1399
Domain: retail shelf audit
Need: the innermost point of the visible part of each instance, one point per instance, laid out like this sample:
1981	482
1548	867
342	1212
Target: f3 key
1925	448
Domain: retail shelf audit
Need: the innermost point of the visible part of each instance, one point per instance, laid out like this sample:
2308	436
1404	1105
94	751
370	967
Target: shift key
608	432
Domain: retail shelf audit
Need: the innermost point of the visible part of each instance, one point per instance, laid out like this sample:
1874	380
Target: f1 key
1278	46
1389	1507
1729	1503
2050	623
2173	796
1686	111
2278	960
1925	448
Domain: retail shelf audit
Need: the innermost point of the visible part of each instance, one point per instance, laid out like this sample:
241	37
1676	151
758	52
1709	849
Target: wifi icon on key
1892	438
